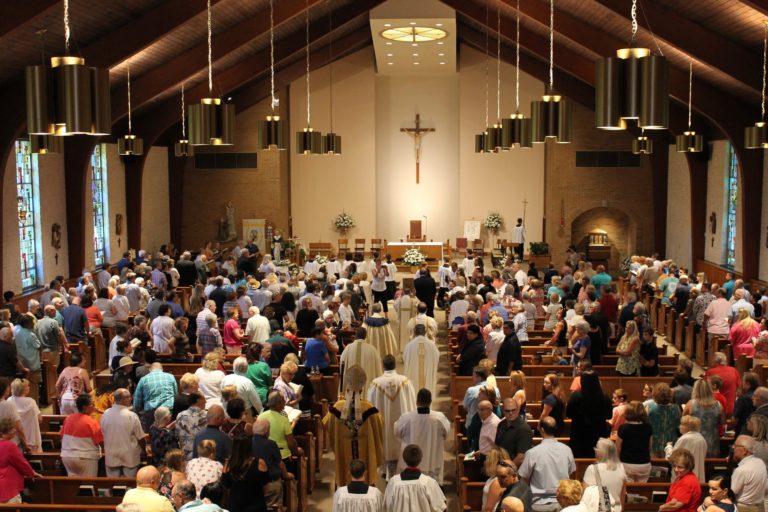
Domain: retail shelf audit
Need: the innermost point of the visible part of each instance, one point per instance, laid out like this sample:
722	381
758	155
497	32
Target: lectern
415	234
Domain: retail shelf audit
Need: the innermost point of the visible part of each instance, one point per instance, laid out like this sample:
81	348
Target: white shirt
613	480
245	390
521	277
122	431
162	332
420	495
113	348
749	480
257	329
518	234
445	275
210	385
488	433
122	306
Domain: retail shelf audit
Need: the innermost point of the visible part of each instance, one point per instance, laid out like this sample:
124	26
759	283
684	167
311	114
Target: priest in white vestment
421	358
412	490
428	429
422	318
362	354
380	333
393	395
312	266
358	496
405	306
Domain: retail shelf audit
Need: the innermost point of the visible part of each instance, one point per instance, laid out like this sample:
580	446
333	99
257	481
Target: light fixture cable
551	44
498	63
765	54
634	23
183	117
330	59
67	32
517	60
690	91
128	67
210	52
272	52
308	94
486	67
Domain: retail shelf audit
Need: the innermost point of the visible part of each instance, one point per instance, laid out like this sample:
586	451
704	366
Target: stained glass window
732	202
100	205
27	197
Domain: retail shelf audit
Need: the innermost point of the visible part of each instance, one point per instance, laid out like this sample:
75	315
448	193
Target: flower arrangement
283	263
493	222
343	222
321	260
413	257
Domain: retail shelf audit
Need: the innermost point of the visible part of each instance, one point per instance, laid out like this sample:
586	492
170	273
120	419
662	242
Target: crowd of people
262	334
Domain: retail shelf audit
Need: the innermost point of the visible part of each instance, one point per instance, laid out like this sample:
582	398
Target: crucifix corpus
417	133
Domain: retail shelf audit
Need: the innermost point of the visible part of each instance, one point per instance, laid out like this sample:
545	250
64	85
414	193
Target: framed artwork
472	229
255	230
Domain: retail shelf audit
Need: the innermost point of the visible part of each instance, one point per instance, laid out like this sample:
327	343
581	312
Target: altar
432	250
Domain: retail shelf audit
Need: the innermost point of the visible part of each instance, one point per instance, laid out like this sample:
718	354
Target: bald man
267	453
216	418
145	494
512	504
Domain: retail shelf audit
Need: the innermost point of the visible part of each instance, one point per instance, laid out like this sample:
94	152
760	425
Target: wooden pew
307	443
48	393
680	331
62	490
98	348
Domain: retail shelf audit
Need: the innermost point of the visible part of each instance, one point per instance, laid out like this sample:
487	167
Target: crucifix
417	133
525	206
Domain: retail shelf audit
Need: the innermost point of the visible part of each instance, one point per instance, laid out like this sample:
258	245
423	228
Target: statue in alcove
713	227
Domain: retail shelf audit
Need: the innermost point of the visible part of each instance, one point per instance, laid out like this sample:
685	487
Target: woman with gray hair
607	473
162	435
29	413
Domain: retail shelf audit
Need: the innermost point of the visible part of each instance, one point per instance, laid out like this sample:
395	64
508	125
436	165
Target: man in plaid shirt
154	390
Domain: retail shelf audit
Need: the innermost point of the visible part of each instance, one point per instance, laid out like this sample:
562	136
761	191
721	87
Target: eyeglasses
509	411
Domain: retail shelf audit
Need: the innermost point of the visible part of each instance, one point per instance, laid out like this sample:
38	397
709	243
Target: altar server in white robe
468	264
358	496
380	333
428	429
421	358
405	306
424	319
362	354
412	490
365	288
312	266
393	395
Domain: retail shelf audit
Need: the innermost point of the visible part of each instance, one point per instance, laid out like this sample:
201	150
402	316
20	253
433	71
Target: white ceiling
410	58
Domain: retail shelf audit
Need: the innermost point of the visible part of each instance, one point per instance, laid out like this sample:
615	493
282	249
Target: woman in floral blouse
205	468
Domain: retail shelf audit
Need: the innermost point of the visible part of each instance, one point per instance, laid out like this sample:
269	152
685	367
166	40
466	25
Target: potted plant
414	258
539	254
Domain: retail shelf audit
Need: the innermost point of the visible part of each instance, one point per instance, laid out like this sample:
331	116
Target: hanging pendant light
129	145
756	137
308	141
211	122
182	146
642	145
516	130
552	117
45	144
632	85
331	141
271	129
483	140
69	98
689	141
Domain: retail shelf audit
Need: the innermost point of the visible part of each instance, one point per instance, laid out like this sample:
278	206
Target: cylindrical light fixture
331	144
516	131
689	141
756	137
552	116
271	133
632	85
69	98
309	142
45	144
494	138
642	145
481	142
130	145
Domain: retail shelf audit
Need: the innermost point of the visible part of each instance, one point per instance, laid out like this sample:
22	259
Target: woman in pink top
233	334
14	468
73	381
742	332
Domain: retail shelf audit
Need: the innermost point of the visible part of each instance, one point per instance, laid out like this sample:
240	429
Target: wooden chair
461	245
477	246
376	245
360	245
343	246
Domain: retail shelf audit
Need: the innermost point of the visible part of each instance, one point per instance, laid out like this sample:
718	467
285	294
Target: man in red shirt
608	304
731	380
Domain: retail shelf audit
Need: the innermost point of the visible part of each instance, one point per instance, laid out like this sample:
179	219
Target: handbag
605	502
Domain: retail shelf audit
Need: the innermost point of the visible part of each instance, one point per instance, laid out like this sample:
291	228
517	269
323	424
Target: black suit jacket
426	289
471	354
510	356
187	272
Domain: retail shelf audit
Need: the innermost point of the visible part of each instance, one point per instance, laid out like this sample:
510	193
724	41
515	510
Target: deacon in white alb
393	395
421	358
428	429
422	318
405	306
411	490
362	354
358	496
